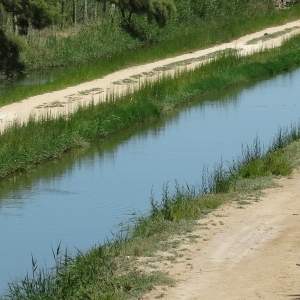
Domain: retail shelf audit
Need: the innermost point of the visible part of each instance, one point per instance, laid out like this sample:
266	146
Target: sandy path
67	100
250	253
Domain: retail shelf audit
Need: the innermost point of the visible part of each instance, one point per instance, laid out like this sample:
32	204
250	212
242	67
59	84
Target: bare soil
242	251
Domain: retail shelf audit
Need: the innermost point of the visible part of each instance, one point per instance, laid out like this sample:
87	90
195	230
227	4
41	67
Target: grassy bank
184	36
50	138
114	270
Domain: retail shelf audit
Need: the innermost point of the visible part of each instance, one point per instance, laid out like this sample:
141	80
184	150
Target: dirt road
67	101
247	252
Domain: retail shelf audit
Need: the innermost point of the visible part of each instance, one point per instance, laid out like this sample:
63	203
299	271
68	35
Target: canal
80	199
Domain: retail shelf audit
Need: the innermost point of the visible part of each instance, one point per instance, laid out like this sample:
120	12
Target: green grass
101	273
111	271
195	35
49	138
125	267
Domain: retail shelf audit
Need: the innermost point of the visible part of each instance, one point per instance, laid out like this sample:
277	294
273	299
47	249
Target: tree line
18	16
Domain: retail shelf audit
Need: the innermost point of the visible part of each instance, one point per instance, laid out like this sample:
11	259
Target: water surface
79	199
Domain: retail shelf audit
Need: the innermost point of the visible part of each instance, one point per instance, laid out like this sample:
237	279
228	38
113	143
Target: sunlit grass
50	138
193	36
109	271
115	269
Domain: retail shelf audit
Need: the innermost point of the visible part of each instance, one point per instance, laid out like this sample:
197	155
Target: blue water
80	199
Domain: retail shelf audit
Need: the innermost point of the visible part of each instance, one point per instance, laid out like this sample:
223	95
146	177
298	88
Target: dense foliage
9	55
23	14
77	31
38	13
158	10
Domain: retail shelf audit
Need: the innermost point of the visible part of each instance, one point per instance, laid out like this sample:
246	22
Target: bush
10	48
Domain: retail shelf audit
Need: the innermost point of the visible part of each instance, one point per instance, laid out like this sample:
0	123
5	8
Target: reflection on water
35	79
79	198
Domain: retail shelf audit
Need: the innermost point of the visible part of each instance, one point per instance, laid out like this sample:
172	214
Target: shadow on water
34	79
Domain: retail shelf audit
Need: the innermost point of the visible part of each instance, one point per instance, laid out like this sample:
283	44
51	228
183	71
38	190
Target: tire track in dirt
252	255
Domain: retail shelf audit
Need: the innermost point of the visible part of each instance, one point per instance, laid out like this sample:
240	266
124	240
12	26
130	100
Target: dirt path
247	253
66	101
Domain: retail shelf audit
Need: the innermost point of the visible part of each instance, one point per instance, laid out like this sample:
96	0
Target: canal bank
258	118
68	100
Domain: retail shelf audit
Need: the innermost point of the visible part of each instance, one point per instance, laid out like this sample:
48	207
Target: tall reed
49	138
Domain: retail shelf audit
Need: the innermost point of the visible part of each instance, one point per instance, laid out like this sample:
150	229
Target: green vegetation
158	10
50	138
23	14
102	38
111	271
102	273
10	56
118	270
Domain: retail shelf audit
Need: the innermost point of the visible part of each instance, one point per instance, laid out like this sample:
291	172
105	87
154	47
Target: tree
9	56
158	10
37	13
85	11
24	13
74	12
